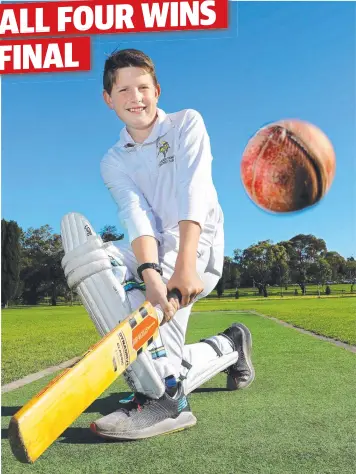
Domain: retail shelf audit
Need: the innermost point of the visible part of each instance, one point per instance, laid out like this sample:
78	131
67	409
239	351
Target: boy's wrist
185	263
151	278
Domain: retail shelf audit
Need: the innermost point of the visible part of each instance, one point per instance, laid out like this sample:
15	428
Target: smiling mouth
136	110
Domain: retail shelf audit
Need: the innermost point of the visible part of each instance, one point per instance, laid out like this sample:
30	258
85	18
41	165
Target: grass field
332	317
36	338
296	418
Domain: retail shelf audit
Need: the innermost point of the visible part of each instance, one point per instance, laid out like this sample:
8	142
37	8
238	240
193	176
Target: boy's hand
156	293
188	283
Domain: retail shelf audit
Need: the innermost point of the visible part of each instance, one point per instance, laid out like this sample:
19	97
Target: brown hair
126	58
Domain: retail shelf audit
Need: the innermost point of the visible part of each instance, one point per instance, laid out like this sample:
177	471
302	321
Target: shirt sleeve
194	170
135	214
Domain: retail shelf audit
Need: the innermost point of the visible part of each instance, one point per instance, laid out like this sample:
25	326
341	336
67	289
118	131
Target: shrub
328	290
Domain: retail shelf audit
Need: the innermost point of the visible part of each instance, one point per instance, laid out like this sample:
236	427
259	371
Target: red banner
100	17
45	55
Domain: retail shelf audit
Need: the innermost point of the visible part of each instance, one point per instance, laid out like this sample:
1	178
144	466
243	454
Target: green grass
296	418
38	337
332	317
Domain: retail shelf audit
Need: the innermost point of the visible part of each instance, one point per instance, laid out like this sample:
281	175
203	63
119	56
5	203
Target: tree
231	273
351	271
337	264
260	260
3	234
41	271
243	278
324	271
320	271
10	260
54	281
235	276
220	287
109	233
33	244
280	268
303	250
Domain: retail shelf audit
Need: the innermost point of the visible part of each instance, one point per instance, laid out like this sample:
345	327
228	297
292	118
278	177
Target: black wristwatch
144	266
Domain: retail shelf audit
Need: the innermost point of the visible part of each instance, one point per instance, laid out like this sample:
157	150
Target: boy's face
134	98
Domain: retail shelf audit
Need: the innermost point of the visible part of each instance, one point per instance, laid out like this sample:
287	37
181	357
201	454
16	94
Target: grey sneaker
146	417
241	374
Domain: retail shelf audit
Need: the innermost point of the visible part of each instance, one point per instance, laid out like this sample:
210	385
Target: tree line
302	260
31	264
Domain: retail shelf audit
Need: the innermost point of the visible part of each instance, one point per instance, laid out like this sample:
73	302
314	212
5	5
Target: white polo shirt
165	179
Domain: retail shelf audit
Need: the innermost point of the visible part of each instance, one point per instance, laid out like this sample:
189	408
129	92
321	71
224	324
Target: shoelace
139	402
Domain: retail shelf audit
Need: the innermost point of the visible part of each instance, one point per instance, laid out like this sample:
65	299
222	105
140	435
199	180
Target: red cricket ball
287	166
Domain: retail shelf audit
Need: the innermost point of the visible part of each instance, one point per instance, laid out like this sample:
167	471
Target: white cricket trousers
171	342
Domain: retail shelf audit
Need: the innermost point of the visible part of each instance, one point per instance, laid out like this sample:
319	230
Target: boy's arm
145	250
194	165
136	215
195	194
185	276
134	211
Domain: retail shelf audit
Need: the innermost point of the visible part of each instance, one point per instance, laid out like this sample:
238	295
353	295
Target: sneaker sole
183	421
247	348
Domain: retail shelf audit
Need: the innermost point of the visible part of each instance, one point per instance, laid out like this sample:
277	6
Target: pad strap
213	345
84	261
94	242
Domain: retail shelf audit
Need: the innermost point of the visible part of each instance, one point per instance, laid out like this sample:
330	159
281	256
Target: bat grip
175	293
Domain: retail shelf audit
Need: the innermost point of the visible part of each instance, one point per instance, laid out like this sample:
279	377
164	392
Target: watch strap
144	266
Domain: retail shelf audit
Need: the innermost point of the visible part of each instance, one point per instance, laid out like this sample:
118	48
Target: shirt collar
162	125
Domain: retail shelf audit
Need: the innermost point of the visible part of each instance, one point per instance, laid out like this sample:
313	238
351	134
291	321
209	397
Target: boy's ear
158	91
107	99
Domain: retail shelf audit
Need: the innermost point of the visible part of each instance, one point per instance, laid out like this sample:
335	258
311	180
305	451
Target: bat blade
47	415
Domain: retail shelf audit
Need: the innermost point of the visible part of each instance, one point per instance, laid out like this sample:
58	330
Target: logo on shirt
163	148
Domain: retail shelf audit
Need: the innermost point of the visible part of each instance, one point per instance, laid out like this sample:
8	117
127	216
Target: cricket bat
44	418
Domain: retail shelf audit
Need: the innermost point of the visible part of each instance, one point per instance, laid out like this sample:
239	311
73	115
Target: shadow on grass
101	406
104	406
107	405
85	436
9	411
80	436
211	389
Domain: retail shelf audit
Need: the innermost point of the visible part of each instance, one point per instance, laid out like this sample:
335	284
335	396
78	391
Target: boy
159	174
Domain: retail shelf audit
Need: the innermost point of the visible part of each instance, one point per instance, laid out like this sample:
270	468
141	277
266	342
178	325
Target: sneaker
146	417
241	374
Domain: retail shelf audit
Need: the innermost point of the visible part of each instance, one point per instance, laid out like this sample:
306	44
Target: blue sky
277	60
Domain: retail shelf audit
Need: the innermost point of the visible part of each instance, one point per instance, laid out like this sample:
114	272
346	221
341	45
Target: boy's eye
122	90
144	87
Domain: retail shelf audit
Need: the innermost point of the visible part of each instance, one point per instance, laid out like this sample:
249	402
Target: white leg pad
96	284
201	362
99	286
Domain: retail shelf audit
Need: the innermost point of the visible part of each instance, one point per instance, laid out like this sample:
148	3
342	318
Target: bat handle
175	293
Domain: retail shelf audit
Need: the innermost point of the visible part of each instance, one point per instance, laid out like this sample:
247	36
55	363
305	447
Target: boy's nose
136	95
